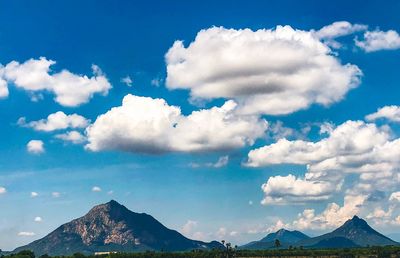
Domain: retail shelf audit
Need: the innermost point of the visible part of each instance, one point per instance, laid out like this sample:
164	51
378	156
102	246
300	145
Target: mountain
112	227
354	232
285	237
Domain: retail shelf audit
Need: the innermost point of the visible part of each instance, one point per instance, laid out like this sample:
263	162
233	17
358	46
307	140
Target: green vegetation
368	252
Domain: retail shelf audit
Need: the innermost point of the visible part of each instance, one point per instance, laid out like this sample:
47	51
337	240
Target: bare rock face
112	227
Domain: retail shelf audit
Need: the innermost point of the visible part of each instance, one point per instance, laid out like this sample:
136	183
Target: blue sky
169	168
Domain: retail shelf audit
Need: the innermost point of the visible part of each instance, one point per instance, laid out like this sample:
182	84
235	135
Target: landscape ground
370	252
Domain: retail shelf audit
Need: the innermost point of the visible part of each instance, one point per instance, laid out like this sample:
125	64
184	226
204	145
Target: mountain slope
286	238
112	227
356	230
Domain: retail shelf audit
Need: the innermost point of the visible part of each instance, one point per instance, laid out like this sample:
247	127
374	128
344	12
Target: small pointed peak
281	230
355	217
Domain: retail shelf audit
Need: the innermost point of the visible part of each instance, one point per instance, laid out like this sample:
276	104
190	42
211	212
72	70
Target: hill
112	227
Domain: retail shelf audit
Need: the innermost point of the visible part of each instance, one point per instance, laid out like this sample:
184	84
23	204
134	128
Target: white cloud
26	234
96	189
221	233
395	196
221	162
391	113
339	29
284	189
69	89
127	81
35	147
56	121
3	87
277	71
156	82
3	190
38	219
189	227
148	125
55	194
73	136
333	216
379	40
34	194
353	147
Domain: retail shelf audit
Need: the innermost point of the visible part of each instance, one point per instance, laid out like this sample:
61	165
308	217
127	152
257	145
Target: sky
223	120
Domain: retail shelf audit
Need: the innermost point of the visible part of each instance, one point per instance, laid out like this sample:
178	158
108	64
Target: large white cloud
69	89
275	71
56	121
148	125
391	113
286	189
379	40
353	147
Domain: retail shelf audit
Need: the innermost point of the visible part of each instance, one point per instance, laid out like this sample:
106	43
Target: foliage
229	251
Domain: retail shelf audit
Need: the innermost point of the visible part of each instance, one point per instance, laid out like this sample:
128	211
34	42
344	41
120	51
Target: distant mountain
354	232
285	237
112	227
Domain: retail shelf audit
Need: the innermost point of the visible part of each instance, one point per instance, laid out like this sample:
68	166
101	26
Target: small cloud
96	189
34	194
233	233
110	192
127	80
35	147
3	190
156	82
26	234
74	137
250	202
221	162
38	219
55	194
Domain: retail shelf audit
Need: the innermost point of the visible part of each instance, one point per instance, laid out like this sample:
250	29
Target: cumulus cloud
284	189
147	125
391	113
56	121
3	190
379	40
332	217
127	81
353	147
26	234
74	137
276	71
35	147
339	29
96	189
69	89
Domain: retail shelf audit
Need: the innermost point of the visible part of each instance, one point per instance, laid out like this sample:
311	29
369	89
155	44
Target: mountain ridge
113	227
